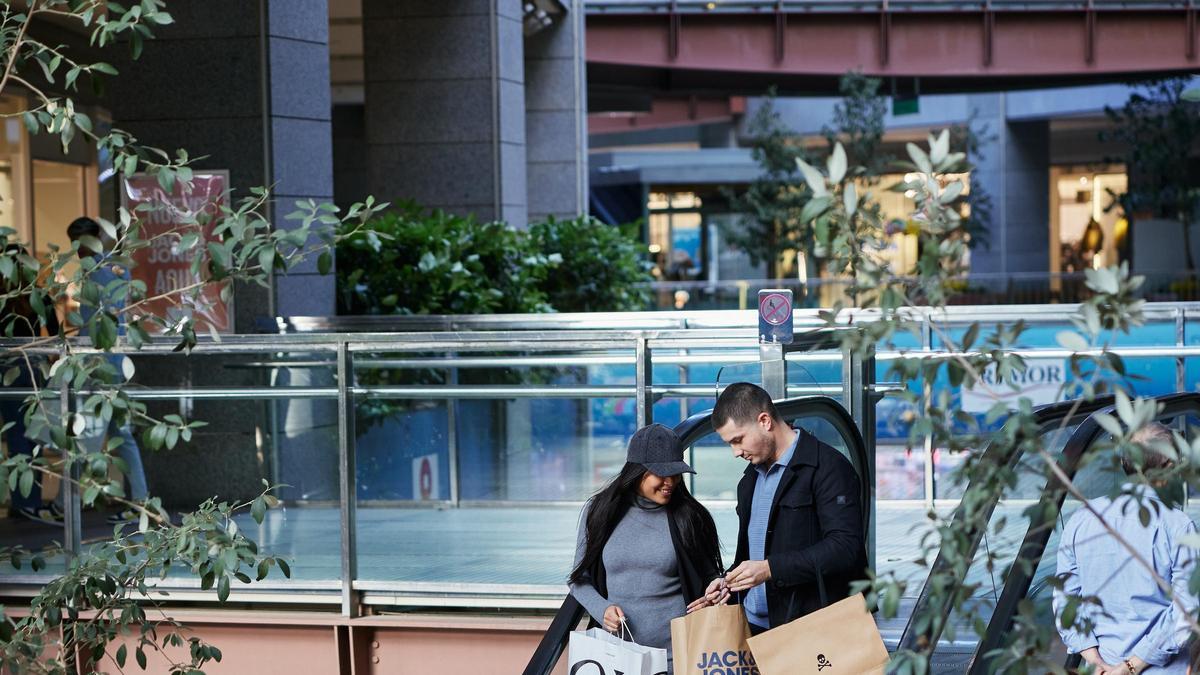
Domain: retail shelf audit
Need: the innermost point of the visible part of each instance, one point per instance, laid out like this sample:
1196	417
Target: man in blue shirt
93	439
800	535
1139	628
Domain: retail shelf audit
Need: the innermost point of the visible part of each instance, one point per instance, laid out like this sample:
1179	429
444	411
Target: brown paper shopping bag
712	641
841	639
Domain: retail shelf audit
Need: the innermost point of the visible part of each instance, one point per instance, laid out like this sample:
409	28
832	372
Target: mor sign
1041	382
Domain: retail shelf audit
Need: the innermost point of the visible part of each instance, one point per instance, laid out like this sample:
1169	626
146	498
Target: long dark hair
696	527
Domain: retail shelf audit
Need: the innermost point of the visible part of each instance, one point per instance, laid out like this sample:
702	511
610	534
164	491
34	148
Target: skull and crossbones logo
823	662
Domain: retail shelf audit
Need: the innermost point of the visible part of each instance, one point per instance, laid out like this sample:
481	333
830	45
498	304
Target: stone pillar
556	117
445	105
247	85
1015	170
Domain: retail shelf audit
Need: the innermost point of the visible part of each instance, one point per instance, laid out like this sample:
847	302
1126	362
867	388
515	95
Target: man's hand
613	616
715	594
1092	656
748	575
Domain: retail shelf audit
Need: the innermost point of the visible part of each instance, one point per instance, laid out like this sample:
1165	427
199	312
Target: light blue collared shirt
1138	619
765	485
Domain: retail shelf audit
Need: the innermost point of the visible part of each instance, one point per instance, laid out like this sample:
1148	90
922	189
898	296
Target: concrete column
247	85
1015	169
445	105
556	117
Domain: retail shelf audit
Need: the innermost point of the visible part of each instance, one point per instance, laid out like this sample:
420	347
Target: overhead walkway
741	46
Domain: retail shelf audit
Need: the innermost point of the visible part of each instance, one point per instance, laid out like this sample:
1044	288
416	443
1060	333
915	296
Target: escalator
1067	429
1035	559
819	415
1049	423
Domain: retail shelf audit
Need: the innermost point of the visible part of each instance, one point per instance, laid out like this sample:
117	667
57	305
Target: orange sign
163	266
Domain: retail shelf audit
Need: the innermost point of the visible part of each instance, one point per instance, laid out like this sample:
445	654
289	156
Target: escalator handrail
1044	416
551	647
1033	547
699	425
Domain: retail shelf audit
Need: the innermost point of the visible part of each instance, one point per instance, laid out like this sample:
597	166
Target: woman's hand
613	616
716	593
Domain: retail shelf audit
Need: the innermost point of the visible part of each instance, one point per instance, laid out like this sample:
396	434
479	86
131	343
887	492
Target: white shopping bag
597	652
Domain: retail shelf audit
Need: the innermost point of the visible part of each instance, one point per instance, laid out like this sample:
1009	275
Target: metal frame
680	338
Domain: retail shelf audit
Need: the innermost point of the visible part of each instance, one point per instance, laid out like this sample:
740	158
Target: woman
647	549
19	319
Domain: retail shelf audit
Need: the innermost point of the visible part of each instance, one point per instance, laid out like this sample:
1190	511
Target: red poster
162	266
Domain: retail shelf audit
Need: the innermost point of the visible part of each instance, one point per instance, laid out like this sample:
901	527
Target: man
1139	628
800	534
104	274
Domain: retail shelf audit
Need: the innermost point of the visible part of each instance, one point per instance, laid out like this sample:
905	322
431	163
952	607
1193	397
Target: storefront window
1085	230
14	178
59	196
675	234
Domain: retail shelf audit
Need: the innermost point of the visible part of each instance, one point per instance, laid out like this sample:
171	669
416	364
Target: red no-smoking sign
775	308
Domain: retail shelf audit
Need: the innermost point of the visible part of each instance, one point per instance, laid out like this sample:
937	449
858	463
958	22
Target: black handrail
550	649
1020	576
1044	417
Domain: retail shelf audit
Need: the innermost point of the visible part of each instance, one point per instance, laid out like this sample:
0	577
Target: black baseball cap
657	448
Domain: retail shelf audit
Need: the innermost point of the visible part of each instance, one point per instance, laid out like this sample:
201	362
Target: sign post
774	331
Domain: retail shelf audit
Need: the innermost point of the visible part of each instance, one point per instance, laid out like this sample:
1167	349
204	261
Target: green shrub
408	261
602	270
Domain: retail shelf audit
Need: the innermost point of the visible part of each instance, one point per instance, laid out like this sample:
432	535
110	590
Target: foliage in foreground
102	609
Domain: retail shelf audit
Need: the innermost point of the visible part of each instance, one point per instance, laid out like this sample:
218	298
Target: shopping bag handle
625	626
824	597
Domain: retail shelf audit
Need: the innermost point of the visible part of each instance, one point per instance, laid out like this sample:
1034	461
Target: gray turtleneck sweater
642	574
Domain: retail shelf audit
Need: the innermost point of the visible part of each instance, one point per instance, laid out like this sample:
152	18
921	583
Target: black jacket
695	569
815	528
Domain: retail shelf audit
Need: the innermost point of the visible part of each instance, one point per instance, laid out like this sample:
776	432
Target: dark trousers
755	629
18	443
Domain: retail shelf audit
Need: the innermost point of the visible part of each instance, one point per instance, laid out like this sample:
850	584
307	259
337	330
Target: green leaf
969	337
951	192
141	658
814	208
836	164
223	588
939	147
283	567
122	652
258	510
816	182
105	68
919	158
1072	341
850	198
324	262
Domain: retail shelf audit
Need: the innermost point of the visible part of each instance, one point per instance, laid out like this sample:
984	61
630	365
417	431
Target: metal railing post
930	470
69	485
774	369
644	380
452	439
858	379
347	483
